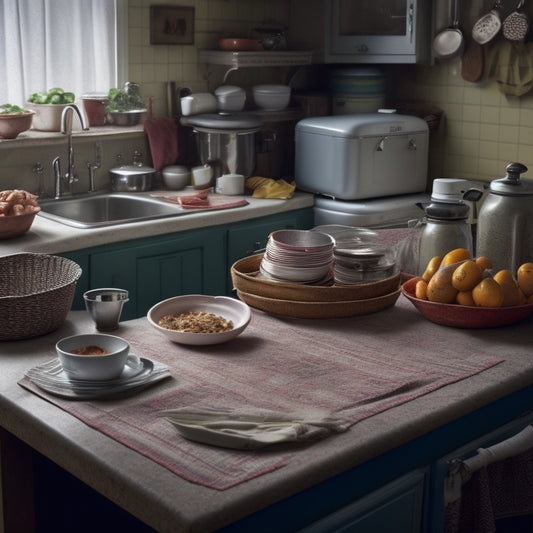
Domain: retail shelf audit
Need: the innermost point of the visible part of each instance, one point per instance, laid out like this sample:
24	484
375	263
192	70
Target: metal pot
132	178
505	220
226	142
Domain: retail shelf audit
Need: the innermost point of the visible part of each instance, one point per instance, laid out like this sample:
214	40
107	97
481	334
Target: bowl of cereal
93	356
199	319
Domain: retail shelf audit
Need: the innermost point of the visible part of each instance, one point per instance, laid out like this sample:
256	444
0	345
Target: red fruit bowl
464	316
16	225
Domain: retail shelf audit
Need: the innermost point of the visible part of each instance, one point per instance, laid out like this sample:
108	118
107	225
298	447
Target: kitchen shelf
266	58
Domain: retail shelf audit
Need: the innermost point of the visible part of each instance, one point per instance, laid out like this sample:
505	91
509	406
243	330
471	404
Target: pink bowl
11	125
464	316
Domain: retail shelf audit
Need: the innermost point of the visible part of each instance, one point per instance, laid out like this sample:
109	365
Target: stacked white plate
298	256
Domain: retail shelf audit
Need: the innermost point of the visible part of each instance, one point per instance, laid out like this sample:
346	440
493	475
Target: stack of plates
298	256
362	264
138	374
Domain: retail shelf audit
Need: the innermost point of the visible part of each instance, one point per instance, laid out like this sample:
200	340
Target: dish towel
162	135
496	483
248	431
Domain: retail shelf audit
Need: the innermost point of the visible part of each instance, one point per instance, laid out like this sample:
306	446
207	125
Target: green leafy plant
9	109
56	95
119	100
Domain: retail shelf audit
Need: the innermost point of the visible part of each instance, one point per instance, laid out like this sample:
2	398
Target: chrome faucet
66	129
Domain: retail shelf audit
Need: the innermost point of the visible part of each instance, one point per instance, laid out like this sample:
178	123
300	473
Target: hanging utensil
473	60
449	42
489	25
516	25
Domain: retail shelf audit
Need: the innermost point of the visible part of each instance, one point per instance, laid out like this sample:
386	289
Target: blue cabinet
192	262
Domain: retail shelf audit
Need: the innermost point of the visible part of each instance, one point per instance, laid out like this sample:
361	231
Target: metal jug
505	221
446	226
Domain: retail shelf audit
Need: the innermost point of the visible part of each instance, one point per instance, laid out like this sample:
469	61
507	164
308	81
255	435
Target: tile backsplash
482	130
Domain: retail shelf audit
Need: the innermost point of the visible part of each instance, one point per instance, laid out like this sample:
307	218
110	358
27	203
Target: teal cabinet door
159	268
250	237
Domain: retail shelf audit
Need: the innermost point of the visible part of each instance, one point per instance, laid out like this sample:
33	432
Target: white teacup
230	184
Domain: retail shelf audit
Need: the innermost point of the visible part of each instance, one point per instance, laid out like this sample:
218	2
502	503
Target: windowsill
41	138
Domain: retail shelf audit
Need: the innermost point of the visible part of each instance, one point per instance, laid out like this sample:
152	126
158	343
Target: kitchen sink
106	209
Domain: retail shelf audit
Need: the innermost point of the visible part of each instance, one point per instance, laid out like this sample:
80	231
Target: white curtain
77	45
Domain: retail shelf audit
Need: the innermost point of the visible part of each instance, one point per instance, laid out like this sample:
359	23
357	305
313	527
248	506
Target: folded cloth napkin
270	188
248	431
162	135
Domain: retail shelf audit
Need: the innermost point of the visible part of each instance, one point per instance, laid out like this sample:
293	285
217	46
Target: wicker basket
36	293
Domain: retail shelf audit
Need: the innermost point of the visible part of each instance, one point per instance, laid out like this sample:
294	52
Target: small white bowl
93	367
229	308
271	97
176	177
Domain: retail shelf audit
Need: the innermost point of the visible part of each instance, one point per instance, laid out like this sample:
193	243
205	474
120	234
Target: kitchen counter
48	236
168	502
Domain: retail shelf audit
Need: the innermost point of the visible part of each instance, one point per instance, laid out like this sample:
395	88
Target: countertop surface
169	502
48	236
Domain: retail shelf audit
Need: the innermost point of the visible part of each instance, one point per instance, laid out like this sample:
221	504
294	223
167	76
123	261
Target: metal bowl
130	178
125	118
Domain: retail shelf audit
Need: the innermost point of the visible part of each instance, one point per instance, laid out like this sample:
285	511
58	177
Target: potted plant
124	106
14	120
48	106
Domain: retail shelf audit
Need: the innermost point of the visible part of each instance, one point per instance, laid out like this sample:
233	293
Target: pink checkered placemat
279	365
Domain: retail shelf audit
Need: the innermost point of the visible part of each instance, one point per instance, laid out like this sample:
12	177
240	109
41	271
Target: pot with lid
446	226
505	220
226	142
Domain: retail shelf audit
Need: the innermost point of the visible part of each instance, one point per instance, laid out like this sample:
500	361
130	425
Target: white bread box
366	155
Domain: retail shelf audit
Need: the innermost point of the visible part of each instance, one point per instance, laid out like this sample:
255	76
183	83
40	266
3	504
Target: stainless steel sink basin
106	210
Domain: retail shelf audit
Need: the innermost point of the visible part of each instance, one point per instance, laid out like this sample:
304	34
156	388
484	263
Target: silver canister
132	178
105	306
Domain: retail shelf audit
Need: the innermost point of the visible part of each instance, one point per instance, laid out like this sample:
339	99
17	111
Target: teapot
505	221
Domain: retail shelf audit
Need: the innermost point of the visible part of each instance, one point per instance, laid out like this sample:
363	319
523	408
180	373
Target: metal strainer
516	25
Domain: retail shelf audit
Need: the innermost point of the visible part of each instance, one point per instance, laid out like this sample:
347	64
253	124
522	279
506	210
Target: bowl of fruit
17	212
48	107
14	120
461	291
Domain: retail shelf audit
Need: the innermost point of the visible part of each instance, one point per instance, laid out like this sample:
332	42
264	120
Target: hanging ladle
449	42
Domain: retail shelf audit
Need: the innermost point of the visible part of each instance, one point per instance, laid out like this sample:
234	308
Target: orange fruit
465	298
524	276
488	293
504	276
432	267
454	256
421	289
530	299
467	275
484	262
522	298
440	288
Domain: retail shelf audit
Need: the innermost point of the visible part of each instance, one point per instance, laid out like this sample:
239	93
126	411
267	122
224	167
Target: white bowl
271	97
229	308
176	177
47	116
93	367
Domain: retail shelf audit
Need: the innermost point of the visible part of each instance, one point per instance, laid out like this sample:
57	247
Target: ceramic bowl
229	308
271	97
93	367
11	125
16	225
464	316
47	116
301	239
176	177
239	44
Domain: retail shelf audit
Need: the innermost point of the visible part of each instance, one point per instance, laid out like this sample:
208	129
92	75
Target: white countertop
48	236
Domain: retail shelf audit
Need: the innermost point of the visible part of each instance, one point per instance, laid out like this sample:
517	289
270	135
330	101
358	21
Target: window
78	45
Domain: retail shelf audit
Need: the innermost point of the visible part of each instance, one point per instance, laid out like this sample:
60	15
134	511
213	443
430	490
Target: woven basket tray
295	309
245	279
36	293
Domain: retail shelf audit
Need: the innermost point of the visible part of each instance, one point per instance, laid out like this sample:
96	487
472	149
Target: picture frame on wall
171	25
